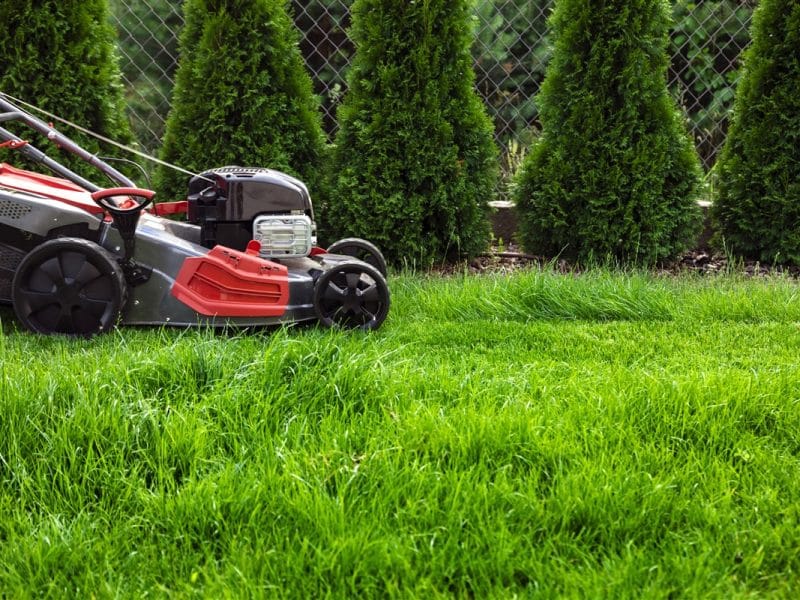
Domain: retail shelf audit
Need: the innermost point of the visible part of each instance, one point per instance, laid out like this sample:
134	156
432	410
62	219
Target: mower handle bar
123	191
10	112
102	196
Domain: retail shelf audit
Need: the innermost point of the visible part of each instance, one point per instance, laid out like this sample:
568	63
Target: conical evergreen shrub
614	174
414	164
60	55
242	95
758	203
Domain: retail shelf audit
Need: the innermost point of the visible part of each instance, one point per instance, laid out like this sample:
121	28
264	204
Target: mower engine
233	205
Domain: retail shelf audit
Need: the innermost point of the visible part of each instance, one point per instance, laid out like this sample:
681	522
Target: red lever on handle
14	144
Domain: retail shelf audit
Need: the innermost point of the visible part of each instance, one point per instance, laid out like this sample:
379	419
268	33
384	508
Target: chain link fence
510	53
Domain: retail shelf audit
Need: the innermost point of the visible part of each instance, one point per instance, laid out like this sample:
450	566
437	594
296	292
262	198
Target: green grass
602	435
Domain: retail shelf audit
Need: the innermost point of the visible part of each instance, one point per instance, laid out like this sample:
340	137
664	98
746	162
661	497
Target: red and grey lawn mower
77	258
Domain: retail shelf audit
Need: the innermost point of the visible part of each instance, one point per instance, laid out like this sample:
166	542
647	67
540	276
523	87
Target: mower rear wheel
362	250
69	286
351	295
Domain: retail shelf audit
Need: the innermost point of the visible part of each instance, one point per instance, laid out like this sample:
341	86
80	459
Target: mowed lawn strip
612	434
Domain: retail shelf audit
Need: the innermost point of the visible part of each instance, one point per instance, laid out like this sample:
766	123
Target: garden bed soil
511	258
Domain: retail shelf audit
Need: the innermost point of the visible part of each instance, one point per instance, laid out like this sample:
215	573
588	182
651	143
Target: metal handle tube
40	157
12	113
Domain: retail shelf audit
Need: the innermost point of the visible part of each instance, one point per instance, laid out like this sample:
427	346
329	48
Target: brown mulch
701	261
706	262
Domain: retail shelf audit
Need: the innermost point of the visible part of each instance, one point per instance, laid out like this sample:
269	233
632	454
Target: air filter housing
283	236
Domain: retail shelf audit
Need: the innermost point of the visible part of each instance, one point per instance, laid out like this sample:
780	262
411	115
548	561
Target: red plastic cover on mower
229	283
47	187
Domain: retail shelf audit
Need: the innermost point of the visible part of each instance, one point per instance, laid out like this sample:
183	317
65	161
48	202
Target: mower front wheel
69	286
351	295
362	250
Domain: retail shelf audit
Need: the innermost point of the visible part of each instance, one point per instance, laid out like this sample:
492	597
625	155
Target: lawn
601	435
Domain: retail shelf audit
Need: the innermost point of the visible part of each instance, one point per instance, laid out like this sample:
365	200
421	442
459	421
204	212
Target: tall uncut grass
602	435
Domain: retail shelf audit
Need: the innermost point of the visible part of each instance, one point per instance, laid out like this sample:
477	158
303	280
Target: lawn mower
240	250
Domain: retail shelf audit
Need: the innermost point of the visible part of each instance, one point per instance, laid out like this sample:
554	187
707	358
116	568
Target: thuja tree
414	164
60	56
614	174
242	95
758	203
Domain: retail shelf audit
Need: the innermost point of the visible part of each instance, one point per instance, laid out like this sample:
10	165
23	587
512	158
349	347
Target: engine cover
225	203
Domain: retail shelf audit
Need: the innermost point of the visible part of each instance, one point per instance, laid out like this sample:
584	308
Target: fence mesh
510	53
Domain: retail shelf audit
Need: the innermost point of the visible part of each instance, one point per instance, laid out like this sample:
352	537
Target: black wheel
69	286
352	295
362	250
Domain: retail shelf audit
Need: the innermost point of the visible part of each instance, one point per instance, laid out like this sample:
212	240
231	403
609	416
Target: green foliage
706	42
758	204
60	55
414	164
149	46
511	51
326	48
614	174
242	95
